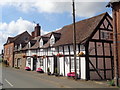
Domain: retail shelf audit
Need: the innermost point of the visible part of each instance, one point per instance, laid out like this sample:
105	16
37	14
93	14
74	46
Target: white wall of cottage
49	61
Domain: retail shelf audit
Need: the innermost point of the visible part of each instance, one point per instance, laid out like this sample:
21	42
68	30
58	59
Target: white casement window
104	35
72	63
15	47
29	45
77	63
20	47
52	40
29	61
41	43
82	48
41	62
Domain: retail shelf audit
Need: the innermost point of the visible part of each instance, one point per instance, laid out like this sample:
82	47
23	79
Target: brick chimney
36	31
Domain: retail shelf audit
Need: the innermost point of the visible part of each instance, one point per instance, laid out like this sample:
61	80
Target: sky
22	15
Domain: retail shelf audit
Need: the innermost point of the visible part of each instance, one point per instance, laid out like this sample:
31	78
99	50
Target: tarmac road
16	78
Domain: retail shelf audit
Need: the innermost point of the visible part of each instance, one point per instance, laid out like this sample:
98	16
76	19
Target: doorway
34	63
55	63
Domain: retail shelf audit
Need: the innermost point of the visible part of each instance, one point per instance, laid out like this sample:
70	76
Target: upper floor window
20	46
29	45
41	43
104	35
15	47
52	41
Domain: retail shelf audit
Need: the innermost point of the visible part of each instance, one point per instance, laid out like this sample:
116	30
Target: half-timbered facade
94	49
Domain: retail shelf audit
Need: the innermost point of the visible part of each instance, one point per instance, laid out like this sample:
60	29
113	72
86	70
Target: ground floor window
72	63
29	61
41	62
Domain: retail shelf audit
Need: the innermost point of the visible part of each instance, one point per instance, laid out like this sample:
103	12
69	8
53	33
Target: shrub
111	83
17	67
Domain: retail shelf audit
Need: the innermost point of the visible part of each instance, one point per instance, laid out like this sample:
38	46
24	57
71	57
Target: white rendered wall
61	60
67	65
83	68
31	63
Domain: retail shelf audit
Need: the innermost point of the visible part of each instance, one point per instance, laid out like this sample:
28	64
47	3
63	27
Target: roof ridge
19	35
88	18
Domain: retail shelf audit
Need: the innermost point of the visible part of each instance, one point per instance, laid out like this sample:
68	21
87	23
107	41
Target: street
16	78
0	76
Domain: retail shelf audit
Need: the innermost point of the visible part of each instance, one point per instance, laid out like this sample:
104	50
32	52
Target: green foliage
17	67
111	83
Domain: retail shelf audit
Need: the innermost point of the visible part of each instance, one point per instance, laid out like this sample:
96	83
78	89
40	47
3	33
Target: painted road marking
8	82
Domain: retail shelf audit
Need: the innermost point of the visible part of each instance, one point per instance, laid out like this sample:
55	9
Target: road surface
16	78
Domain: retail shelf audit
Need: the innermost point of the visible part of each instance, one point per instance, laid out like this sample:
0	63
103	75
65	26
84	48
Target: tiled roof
84	30
19	38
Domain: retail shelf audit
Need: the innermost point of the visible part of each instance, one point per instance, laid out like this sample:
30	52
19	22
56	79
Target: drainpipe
115	48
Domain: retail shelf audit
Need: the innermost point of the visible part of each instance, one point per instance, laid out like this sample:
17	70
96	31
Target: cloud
14	28
84	8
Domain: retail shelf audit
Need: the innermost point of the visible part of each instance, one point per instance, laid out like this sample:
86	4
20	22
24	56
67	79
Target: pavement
17	78
0	76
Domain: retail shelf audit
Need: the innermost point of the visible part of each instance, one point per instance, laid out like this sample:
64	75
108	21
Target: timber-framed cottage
94	49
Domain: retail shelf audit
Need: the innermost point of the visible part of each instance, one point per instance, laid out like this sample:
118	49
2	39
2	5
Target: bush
17	67
111	83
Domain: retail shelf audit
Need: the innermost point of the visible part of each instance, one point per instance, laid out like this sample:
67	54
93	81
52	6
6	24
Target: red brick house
10	45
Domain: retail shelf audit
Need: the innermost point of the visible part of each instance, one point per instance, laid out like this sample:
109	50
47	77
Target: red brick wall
116	10
8	53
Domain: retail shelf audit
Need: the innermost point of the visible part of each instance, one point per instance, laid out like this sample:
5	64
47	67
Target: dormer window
52	40
20	47
15	47
29	45
41	42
